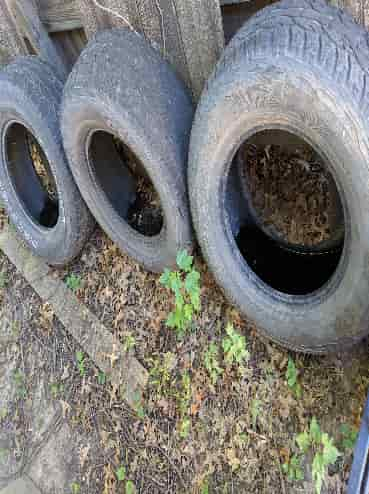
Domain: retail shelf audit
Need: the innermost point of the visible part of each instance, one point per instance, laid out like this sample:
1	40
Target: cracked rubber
301	65
30	94
188	33
140	101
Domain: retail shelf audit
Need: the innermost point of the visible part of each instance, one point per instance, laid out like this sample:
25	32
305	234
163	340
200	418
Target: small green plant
161	373
130	487
81	363
325	453
56	390
4	280
184	428
75	488
129	342
138	405
4	453
184	283
19	381
101	378
121	473
3	413
183	397
205	487
255	411
15	328
348	436
211	362
291	377
234	347
121	477
73	282
293	469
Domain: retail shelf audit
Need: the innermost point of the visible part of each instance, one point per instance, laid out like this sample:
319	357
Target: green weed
56	390
75	488
325	453
234	347
291	377
183	398
205	487
255	411
81	363
4	280
211	362
73	282
121	477
348	436
4	453
101	378
161	373
293	469
184	428
129	342
19	382
184	283
130	487
121	473
139	405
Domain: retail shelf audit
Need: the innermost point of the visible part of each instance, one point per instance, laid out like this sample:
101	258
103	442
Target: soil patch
239	430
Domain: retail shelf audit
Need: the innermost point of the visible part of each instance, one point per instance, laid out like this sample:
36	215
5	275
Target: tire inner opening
285	212
31	176
123	180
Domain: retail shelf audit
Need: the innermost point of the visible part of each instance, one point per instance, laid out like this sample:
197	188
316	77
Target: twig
162	26
260	436
170	462
111	12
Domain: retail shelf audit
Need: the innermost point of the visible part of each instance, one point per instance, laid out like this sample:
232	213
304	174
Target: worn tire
120	85
189	34
300	65
30	96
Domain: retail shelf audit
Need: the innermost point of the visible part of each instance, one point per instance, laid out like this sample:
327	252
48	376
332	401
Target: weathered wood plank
59	15
123	369
29	24
64	15
11	43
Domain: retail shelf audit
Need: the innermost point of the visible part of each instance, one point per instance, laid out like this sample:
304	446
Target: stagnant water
285	270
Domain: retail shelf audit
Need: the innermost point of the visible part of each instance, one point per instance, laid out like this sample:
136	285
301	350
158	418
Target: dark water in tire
285	270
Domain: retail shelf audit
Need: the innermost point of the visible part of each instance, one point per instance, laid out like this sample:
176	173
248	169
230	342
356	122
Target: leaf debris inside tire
289	191
145	214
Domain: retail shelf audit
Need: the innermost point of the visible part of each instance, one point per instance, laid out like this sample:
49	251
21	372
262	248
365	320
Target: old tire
302	67
189	34
122	88
56	229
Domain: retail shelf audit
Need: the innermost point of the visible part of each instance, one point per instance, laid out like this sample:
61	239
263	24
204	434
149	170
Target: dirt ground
67	428
71	431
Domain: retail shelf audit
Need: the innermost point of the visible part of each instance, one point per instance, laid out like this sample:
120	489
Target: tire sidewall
50	243
79	120
237	105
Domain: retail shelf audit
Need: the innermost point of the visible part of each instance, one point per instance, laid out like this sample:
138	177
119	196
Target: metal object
359	478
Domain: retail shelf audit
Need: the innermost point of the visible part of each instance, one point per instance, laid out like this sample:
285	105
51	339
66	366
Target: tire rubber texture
301	65
121	85
188	33
30	94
